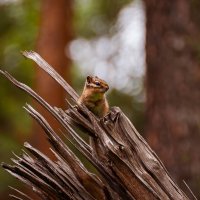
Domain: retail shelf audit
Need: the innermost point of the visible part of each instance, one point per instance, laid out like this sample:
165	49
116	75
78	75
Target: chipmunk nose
107	87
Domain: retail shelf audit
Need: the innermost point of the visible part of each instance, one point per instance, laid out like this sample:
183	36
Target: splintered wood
128	168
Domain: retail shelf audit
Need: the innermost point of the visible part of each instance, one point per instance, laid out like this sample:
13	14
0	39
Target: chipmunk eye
97	83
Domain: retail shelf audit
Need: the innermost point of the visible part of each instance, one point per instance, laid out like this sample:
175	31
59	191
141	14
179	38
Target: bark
128	168
54	36
172	85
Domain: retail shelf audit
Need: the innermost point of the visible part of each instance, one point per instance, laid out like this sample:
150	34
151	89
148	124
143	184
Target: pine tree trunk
172	83
54	36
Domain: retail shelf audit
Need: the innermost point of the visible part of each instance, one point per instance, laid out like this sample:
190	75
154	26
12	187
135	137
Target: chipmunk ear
89	79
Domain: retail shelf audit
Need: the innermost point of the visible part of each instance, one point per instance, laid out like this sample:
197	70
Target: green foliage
18	31
18	28
195	5
94	18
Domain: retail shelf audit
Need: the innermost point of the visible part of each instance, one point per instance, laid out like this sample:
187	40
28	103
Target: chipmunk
93	96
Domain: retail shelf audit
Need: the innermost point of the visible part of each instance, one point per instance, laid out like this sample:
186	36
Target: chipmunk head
96	84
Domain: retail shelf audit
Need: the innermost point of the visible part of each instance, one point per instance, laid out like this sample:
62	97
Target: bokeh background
148	51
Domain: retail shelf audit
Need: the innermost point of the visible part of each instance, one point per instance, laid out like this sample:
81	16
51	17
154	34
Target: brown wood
172	85
54	36
128	168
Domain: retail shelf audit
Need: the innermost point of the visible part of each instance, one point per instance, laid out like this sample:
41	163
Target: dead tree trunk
128	168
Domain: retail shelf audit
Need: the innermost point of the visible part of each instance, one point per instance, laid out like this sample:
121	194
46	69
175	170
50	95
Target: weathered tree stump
127	167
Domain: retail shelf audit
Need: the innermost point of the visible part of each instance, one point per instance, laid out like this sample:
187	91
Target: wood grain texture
127	167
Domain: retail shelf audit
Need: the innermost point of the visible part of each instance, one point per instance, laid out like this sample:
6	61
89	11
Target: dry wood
128	168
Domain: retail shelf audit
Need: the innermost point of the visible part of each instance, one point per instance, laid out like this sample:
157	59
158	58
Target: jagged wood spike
128	168
66	172
53	172
152	164
53	136
102	169
67	154
15	197
76	137
20	193
38	180
50	70
14	172
42	102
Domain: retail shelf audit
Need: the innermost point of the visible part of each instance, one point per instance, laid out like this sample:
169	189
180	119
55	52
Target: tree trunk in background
55	33
173	87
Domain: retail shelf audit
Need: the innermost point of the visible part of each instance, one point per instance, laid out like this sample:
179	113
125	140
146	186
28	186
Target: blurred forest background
148	51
